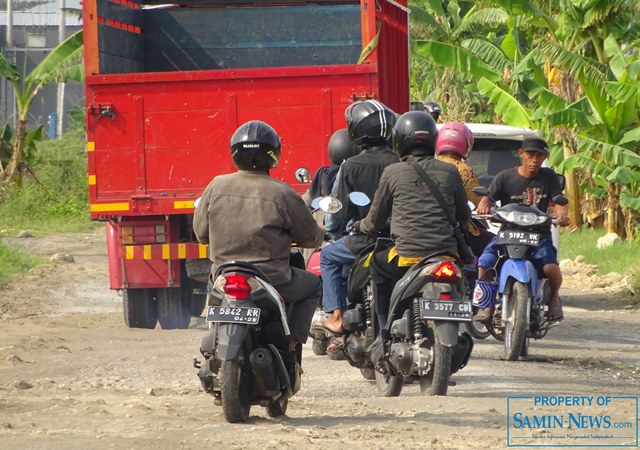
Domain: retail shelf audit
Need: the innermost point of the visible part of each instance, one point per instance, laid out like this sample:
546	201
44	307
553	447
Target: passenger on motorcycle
340	149
419	226
369	124
433	109
453	146
533	185
249	216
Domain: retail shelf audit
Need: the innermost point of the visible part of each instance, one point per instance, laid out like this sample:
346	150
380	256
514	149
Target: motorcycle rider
340	149
369	124
453	146
433	109
418	224
528	184
250	216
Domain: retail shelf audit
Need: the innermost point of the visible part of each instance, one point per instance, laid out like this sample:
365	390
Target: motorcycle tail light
445	296
446	269
237	286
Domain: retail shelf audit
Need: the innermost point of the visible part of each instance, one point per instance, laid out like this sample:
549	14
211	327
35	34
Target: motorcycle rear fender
447	332
230	339
521	270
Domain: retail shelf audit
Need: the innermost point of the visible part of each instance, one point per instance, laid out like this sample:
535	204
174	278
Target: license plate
518	237
228	314
459	310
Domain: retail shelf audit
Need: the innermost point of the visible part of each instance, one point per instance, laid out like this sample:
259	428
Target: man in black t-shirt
528	184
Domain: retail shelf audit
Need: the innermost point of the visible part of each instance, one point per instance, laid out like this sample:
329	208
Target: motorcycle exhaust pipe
264	372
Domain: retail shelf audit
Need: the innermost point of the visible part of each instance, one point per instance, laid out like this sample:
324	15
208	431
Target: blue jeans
333	258
544	254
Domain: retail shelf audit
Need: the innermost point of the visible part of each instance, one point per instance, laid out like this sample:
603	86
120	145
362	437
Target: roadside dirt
73	376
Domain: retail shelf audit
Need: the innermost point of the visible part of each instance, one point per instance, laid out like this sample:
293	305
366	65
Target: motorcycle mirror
196	202
330	205
303	175
359	198
315	203
560	200
481	191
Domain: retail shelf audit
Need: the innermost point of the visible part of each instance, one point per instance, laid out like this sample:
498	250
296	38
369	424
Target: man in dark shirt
419	226
369	124
528	184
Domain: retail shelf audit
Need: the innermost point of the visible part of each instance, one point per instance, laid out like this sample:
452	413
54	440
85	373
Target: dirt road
73	376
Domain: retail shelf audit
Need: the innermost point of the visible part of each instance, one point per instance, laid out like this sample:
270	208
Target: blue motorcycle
519	294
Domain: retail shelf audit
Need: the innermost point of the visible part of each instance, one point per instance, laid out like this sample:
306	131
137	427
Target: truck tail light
143	234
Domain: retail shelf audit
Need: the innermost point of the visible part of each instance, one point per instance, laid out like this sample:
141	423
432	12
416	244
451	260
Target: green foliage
58	199
13	262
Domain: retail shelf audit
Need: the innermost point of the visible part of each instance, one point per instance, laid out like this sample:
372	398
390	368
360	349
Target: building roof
46	14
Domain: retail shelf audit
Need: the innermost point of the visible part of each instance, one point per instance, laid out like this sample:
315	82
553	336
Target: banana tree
61	64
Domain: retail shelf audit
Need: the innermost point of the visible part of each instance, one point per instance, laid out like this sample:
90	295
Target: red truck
166	87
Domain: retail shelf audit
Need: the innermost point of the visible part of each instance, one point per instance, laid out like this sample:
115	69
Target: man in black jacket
419	226
369	124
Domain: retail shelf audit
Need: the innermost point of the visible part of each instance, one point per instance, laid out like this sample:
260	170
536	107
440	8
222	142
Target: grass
13	262
56	200
622	257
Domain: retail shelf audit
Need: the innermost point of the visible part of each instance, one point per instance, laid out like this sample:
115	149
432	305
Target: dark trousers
384	274
302	294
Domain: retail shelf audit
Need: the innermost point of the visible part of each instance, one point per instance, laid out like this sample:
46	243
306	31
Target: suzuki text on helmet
456	138
415	132
369	122
255	146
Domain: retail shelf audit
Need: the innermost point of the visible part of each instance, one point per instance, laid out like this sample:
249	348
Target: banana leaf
456	58
506	106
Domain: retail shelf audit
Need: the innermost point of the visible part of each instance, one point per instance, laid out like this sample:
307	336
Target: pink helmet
454	137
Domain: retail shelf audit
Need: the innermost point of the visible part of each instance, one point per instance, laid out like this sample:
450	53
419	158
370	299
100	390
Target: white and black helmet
369	122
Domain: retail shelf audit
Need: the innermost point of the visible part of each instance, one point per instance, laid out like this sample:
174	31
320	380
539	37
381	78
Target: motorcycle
520	294
420	338
247	356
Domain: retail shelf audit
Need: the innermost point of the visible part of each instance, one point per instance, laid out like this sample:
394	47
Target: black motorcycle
247	356
420	338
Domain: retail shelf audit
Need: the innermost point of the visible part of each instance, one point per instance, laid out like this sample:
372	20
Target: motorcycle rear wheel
368	373
388	384
477	330
319	346
437	380
515	329
235	387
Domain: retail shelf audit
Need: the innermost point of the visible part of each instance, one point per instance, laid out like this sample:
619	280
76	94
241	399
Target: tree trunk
615	221
13	173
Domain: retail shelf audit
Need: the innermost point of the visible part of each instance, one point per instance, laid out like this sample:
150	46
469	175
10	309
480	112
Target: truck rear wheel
173	312
140	309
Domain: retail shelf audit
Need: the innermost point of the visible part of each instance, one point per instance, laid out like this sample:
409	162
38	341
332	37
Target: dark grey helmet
369	122
255	146
340	147
415	130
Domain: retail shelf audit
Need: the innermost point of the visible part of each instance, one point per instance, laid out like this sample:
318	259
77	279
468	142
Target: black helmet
340	147
369	122
415	130
434	109
255	146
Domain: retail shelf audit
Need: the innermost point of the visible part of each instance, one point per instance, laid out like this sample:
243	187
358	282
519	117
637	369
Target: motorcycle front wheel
477	330
235	388
516	325
279	407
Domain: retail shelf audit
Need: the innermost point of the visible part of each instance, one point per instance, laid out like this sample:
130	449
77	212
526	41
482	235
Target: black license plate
228	314
518	237
459	310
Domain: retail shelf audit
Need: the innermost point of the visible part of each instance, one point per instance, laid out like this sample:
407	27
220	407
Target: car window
491	156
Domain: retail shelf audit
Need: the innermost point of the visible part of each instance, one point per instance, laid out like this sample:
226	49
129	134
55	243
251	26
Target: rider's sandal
554	314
